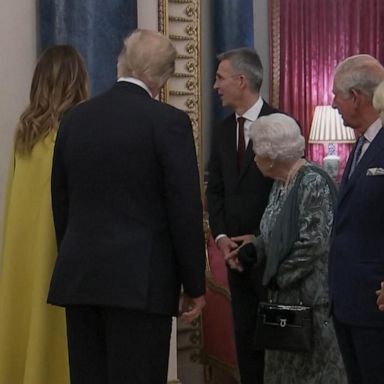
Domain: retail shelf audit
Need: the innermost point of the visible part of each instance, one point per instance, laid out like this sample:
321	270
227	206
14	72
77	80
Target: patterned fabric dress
303	273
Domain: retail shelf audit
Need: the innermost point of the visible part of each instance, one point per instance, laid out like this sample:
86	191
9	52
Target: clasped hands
239	252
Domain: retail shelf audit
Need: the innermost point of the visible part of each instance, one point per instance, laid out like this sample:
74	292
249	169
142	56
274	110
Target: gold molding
275	57
216	363
180	18
216	287
180	21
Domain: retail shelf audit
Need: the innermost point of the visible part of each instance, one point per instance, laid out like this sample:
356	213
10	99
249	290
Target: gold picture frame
180	21
275	56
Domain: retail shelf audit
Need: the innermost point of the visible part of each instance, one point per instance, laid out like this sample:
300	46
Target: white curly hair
378	100
277	136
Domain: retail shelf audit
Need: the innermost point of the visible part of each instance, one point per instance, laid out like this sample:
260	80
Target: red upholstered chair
217	325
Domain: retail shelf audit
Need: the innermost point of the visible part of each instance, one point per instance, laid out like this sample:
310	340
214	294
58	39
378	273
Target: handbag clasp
283	323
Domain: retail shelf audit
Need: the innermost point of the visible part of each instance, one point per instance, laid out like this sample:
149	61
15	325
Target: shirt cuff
218	237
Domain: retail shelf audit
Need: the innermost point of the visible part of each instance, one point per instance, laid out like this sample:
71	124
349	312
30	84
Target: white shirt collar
253	113
373	130
137	82
250	116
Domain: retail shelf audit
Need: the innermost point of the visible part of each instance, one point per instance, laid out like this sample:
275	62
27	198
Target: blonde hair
148	56
60	81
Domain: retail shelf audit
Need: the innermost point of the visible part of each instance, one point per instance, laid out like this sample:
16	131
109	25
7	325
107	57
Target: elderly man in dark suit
128	216
357	250
237	192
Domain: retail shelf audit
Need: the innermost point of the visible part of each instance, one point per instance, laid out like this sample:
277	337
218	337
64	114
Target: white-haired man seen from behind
128	220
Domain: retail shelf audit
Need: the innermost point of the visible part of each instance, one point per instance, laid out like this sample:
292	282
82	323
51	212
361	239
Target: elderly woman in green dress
293	247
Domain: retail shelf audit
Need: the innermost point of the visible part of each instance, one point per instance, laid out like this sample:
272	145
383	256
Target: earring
271	165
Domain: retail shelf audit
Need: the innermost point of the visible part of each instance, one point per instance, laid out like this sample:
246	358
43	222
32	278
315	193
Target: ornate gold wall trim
275	56
180	21
216	287
212	361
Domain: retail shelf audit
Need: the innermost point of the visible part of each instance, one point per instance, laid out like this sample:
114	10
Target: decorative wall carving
180	21
275	57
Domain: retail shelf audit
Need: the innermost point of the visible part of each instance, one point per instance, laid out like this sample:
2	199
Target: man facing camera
237	193
357	250
128	218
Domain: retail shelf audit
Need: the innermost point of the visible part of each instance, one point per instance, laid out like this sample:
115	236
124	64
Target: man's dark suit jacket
127	205
236	201
357	252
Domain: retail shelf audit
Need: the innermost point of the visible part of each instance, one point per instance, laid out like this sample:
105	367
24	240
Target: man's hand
226	245
244	239
380	297
190	307
231	257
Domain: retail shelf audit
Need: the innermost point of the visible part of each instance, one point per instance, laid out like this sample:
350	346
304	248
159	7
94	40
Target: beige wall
260	17
147	14
18	55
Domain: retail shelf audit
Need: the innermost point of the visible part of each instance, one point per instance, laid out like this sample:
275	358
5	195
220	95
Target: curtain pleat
233	24
95	27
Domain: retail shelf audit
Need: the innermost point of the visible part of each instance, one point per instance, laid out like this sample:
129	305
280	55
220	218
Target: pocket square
375	172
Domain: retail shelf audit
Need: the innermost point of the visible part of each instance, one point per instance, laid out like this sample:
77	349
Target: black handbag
284	327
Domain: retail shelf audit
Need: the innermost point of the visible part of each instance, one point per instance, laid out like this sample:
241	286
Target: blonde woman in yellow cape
33	347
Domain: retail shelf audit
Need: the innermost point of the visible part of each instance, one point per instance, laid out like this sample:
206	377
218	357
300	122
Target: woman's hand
233	262
232	258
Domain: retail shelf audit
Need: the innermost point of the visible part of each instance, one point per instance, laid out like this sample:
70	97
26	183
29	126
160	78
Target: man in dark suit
357	251
128	216
237	192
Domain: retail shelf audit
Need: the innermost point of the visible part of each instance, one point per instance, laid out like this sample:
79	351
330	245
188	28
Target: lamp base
331	165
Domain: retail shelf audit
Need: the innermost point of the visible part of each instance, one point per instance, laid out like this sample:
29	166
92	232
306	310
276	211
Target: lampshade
328	127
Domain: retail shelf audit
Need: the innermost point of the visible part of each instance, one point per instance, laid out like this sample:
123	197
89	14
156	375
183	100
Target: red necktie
241	142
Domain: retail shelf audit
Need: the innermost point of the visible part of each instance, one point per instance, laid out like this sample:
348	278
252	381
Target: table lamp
328	128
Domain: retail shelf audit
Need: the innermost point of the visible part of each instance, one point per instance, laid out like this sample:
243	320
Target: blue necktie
357	154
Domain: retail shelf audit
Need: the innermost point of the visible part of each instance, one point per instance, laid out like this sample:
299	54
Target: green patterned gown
305	270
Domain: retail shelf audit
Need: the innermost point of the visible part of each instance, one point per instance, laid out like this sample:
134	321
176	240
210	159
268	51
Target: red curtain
314	35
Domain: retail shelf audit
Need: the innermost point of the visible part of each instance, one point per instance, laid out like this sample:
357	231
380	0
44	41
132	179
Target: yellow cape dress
33	346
